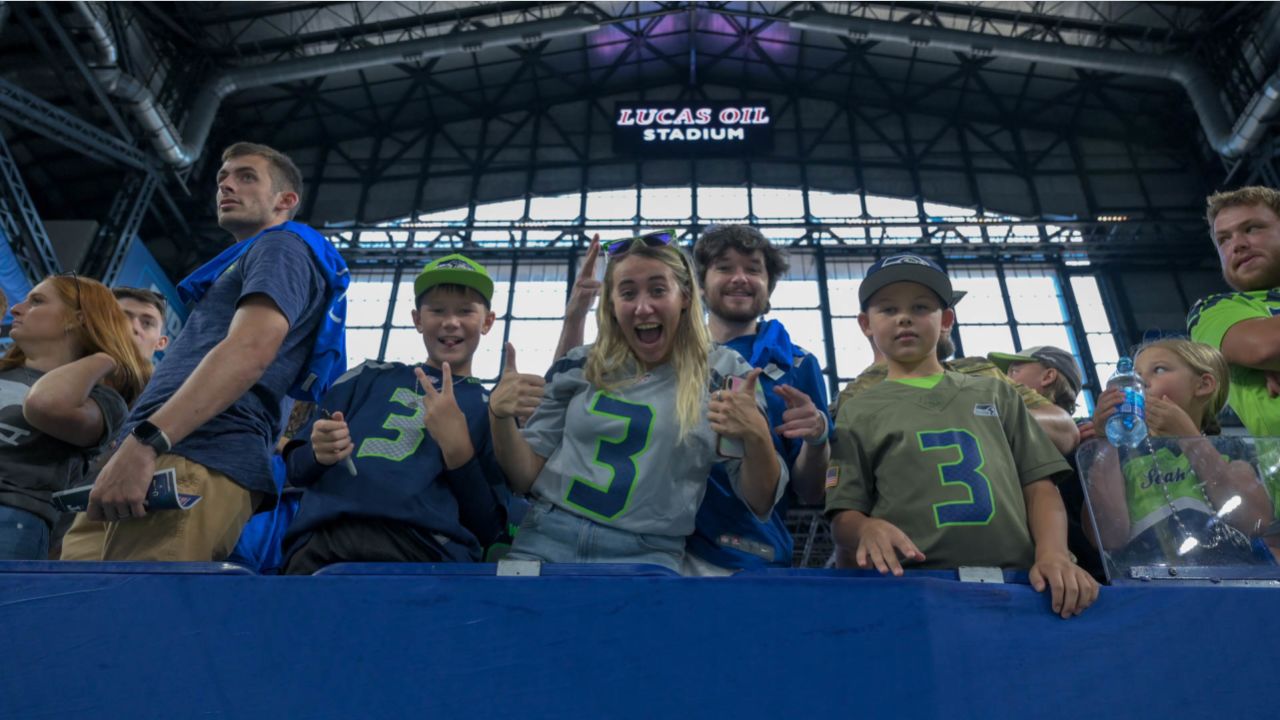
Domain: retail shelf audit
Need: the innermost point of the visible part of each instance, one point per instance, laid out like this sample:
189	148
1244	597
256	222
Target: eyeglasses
72	274
659	238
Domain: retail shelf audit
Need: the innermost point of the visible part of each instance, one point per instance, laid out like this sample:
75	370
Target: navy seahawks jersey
401	471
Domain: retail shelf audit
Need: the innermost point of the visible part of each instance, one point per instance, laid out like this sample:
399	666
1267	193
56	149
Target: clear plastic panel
1173	505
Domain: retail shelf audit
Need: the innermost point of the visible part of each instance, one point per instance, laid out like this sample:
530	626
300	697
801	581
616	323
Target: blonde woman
624	432
64	386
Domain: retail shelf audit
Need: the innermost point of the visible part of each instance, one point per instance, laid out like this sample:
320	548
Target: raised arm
59	405
736	414
802	420
585	289
515	396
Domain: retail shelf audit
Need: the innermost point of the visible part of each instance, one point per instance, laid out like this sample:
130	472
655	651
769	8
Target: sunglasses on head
658	238
75	279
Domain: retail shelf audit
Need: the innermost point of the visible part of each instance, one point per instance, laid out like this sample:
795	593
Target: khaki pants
207	532
84	540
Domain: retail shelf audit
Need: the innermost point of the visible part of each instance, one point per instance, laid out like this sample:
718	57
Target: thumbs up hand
801	419
735	414
444	419
517	395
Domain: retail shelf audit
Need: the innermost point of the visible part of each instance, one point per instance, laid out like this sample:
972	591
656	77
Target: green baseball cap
1048	356
454	270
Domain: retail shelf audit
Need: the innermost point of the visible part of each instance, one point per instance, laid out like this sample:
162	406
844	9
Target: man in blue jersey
738	269
399	466
266	324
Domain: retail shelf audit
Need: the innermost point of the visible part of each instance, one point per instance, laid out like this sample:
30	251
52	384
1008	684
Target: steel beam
25	229
30	112
111	242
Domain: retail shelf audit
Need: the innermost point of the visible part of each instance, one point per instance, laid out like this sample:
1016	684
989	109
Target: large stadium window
539	292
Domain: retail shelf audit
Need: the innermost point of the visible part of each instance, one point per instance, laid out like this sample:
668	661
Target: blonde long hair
1201	359
611	363
104	328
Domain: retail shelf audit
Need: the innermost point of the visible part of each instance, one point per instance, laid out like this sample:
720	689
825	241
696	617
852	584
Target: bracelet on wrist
826	434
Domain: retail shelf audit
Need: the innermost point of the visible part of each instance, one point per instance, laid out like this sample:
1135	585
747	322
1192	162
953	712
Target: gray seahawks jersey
615	457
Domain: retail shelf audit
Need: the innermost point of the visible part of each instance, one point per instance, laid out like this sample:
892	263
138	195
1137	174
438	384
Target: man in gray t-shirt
216	403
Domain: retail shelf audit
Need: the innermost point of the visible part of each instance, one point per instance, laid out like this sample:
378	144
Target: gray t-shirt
34	465
616	457
237	441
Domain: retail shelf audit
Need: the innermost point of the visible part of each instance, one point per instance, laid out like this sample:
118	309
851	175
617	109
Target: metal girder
86	74
24	227
111	242
1053	240
30	112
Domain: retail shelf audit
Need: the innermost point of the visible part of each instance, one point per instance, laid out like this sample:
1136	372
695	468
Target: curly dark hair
718	239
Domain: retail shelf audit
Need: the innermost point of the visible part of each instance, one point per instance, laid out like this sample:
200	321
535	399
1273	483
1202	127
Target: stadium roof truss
1107	120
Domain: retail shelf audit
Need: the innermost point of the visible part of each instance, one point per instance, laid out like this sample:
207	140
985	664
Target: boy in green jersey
943	469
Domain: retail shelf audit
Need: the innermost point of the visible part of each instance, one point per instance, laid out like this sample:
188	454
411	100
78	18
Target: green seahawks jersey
945	465
615	456
1157	485
1208	322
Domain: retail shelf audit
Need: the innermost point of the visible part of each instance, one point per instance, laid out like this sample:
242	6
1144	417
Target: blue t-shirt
237	442
401	472
726	533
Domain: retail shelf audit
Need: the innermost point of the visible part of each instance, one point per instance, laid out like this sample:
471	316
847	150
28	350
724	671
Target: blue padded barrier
815	645
1010	576
124	568
490	569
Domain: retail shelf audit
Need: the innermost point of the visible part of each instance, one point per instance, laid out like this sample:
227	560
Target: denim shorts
554	535
23	535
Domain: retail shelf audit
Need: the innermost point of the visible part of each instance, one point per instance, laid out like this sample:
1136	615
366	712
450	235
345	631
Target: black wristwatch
152	436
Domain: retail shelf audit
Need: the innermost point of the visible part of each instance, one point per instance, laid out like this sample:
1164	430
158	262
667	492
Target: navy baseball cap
908	267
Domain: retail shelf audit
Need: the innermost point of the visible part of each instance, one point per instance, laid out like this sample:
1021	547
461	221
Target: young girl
63	389
1159	503
619	448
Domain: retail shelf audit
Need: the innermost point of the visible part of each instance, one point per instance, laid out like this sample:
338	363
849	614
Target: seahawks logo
454	265
904	260
985	410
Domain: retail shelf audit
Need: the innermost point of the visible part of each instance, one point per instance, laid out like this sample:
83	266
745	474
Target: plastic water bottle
1128	427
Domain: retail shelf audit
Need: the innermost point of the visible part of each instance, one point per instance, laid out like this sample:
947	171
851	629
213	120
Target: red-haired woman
64	385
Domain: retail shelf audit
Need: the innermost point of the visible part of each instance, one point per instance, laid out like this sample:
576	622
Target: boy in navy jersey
426	487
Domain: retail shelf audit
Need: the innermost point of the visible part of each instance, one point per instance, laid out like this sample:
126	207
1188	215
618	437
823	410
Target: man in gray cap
1050	371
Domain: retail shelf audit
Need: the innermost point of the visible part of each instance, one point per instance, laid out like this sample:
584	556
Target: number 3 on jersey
618	455
967	471
408	429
